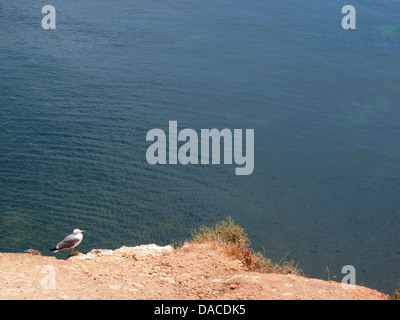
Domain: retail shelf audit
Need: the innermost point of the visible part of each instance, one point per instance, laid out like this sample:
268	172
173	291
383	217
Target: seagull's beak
82	230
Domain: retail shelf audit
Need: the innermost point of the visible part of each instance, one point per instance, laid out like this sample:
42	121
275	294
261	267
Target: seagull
70	242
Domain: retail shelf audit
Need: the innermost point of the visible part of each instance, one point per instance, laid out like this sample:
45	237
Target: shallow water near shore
76	104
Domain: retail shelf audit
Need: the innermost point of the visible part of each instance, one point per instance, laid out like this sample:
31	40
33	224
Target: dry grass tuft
234	240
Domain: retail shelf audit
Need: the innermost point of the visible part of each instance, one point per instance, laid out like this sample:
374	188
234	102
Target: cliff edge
193	271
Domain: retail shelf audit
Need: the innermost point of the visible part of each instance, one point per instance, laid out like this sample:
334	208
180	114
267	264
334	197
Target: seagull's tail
54	249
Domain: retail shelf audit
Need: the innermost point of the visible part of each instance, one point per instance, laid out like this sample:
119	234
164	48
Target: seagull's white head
77	231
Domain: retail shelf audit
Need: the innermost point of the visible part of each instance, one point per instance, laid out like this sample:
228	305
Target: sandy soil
195	271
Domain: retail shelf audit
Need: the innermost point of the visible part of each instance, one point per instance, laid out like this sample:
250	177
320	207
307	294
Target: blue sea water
76	104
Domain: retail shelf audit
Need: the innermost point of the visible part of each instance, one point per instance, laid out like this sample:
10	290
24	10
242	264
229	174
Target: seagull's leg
74	253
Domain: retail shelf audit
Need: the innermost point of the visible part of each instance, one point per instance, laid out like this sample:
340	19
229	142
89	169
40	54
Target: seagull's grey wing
67	243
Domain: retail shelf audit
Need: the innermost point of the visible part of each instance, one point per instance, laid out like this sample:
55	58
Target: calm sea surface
76	104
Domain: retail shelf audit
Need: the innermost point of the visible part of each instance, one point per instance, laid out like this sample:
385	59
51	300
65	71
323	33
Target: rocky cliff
193	271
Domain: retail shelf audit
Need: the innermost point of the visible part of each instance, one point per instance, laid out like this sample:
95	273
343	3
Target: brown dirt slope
194	271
